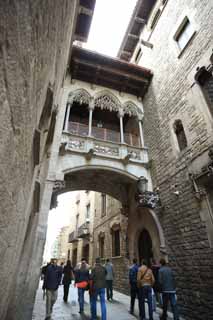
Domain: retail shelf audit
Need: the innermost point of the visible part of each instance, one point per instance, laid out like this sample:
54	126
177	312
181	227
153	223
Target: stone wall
173	95
35	39
103	226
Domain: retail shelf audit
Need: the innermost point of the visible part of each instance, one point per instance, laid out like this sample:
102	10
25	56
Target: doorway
86	252
145	247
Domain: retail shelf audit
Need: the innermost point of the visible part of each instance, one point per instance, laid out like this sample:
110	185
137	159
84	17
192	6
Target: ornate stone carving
75	144
81	96
131	109
58	185
106	150
106	102
134	154
148	199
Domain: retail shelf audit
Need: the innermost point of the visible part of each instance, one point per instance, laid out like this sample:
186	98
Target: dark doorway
74	257
145	247
86	252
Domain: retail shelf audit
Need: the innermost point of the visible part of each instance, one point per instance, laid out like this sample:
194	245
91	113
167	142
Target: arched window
180	134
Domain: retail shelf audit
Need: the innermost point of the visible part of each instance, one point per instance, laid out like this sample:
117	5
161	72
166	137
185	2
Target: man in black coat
52	279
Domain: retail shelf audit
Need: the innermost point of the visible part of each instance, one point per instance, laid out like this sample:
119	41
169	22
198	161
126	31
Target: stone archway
142	219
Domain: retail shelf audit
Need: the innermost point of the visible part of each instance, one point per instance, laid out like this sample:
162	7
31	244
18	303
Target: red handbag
82	284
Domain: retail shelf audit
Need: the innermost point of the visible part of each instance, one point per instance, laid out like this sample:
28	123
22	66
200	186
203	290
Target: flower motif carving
80	96
106	150
106	102
131	109
75	144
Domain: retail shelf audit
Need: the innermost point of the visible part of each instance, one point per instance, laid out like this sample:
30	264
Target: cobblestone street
118	309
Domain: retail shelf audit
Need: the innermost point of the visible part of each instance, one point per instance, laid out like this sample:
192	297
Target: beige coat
145	278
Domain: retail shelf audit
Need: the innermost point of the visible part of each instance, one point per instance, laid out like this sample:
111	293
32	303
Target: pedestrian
156	288
109	279
61	267
98	277
52	279
133	271
81	280
168	288
145	280
68	277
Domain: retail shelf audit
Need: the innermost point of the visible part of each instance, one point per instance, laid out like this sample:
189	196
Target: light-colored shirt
110	272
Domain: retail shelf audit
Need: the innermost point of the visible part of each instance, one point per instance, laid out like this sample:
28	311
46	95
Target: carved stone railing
103	134
73	237
83	230
90	146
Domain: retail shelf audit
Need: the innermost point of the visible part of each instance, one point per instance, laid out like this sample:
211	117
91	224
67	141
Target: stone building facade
63	244
49	154
35	48
80	243
99	229
175	41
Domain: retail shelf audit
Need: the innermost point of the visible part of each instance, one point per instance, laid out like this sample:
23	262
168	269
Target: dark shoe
131	312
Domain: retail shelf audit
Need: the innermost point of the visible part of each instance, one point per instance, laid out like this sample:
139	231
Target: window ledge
187	45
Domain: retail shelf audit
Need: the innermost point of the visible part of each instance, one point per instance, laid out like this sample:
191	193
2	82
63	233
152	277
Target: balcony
103	134
83	231
103	143
73	237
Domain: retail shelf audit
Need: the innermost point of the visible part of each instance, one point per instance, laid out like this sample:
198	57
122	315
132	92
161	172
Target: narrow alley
117	309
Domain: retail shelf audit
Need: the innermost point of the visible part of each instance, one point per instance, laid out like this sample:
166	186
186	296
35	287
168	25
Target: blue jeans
169	296
145	292
81	299
93	302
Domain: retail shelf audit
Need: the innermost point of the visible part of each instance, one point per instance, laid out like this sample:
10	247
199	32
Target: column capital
120	113
91	104
140	117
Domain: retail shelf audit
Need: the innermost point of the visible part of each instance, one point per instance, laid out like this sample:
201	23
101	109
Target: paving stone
65	311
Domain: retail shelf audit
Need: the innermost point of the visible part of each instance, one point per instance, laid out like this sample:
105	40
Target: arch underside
110	182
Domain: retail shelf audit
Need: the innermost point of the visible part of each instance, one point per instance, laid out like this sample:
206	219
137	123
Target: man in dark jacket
167	282
133	271
98	277
52	279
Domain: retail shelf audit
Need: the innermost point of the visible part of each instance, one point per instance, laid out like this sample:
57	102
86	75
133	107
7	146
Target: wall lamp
145	198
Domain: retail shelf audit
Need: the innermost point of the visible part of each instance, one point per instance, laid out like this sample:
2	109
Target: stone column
140	119
121	114
91	108
66	125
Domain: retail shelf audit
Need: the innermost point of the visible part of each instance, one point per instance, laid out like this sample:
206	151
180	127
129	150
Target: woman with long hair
81	280
68	277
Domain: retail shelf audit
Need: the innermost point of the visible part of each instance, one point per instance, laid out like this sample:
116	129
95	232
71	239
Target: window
180	134
103	204
138	55
184	33
101	247
204	77
77	222
156	17
88	212
116	243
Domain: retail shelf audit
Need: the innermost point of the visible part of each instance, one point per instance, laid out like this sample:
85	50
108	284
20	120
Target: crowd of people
147	284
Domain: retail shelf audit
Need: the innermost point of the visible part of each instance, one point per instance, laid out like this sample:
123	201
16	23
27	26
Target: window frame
177	135
103	205
180	31
116	251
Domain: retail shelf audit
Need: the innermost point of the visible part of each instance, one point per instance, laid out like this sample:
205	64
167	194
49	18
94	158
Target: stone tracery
105	100
81	96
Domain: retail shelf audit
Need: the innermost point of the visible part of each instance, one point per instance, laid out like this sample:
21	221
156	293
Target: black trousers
66	291
109	289
134	293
